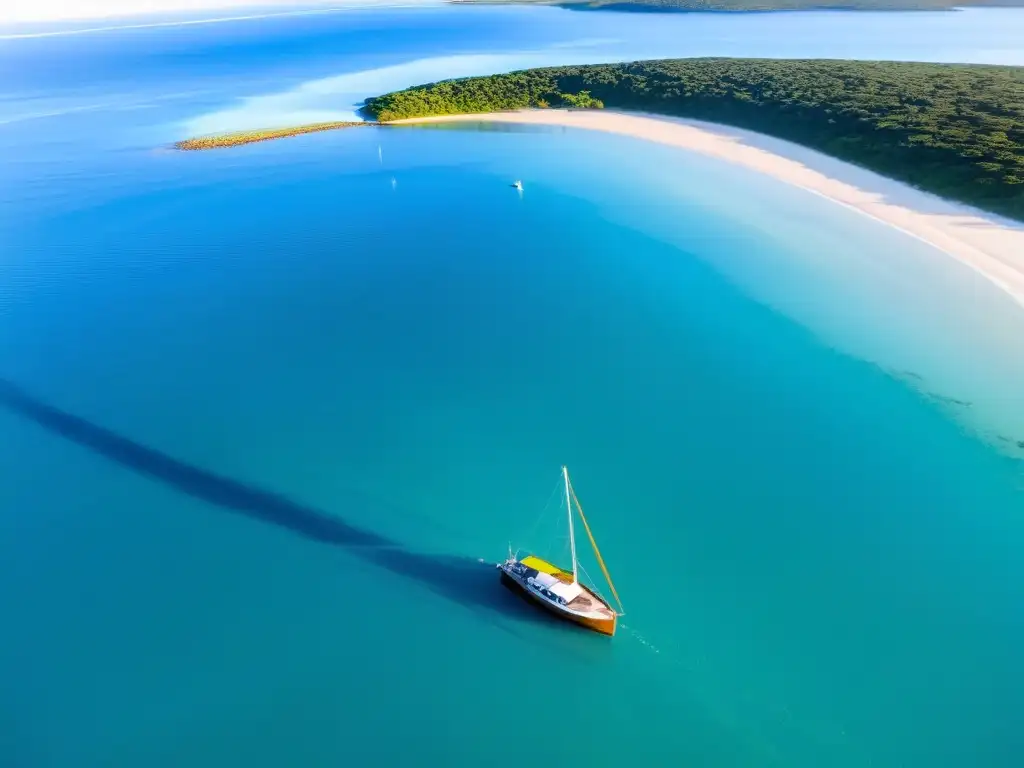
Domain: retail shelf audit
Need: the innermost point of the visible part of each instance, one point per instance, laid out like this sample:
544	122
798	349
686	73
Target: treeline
955	130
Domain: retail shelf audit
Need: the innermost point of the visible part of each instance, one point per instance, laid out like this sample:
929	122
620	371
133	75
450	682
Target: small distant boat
559	590
518	185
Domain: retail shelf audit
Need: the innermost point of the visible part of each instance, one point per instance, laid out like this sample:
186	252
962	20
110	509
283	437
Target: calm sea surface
262	412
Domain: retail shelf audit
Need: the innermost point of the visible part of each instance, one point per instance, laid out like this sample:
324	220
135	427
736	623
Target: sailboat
559	590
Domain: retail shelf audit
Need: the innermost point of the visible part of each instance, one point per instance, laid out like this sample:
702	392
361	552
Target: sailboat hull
557	590
601	625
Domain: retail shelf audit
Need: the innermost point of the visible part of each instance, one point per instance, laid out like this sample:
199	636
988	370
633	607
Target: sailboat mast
572	535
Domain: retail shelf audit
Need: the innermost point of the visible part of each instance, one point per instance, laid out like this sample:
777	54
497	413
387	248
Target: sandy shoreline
989	244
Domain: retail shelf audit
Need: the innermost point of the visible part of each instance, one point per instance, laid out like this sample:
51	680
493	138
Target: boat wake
639	638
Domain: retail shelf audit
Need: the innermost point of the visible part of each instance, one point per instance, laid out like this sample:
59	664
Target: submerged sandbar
990	244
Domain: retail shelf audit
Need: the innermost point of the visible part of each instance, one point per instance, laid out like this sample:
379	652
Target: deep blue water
262	410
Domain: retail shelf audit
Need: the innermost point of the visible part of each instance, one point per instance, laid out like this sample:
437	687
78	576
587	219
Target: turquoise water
264	410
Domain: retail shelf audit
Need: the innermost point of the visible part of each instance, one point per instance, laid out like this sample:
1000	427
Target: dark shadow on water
199	483
460	579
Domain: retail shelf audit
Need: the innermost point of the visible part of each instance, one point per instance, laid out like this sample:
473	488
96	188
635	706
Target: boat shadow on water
463	580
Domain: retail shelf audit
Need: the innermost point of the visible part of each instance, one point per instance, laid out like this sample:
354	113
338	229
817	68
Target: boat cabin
548	580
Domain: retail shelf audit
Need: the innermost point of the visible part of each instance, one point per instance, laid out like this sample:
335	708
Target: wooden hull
601	626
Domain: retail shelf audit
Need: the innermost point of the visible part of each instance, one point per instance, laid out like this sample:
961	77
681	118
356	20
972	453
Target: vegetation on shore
251	137
754	5
955	130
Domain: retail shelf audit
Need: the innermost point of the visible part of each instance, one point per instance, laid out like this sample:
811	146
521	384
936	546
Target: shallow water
264	409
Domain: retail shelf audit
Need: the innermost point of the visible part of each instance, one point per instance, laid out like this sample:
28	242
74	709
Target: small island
950	129
251	137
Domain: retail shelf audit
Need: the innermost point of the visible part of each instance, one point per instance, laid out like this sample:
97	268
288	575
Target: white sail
572	535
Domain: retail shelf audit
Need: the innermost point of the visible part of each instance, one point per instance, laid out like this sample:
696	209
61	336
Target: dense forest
955	130
755	5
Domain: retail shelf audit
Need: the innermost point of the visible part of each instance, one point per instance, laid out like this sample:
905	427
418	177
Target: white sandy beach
989	244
